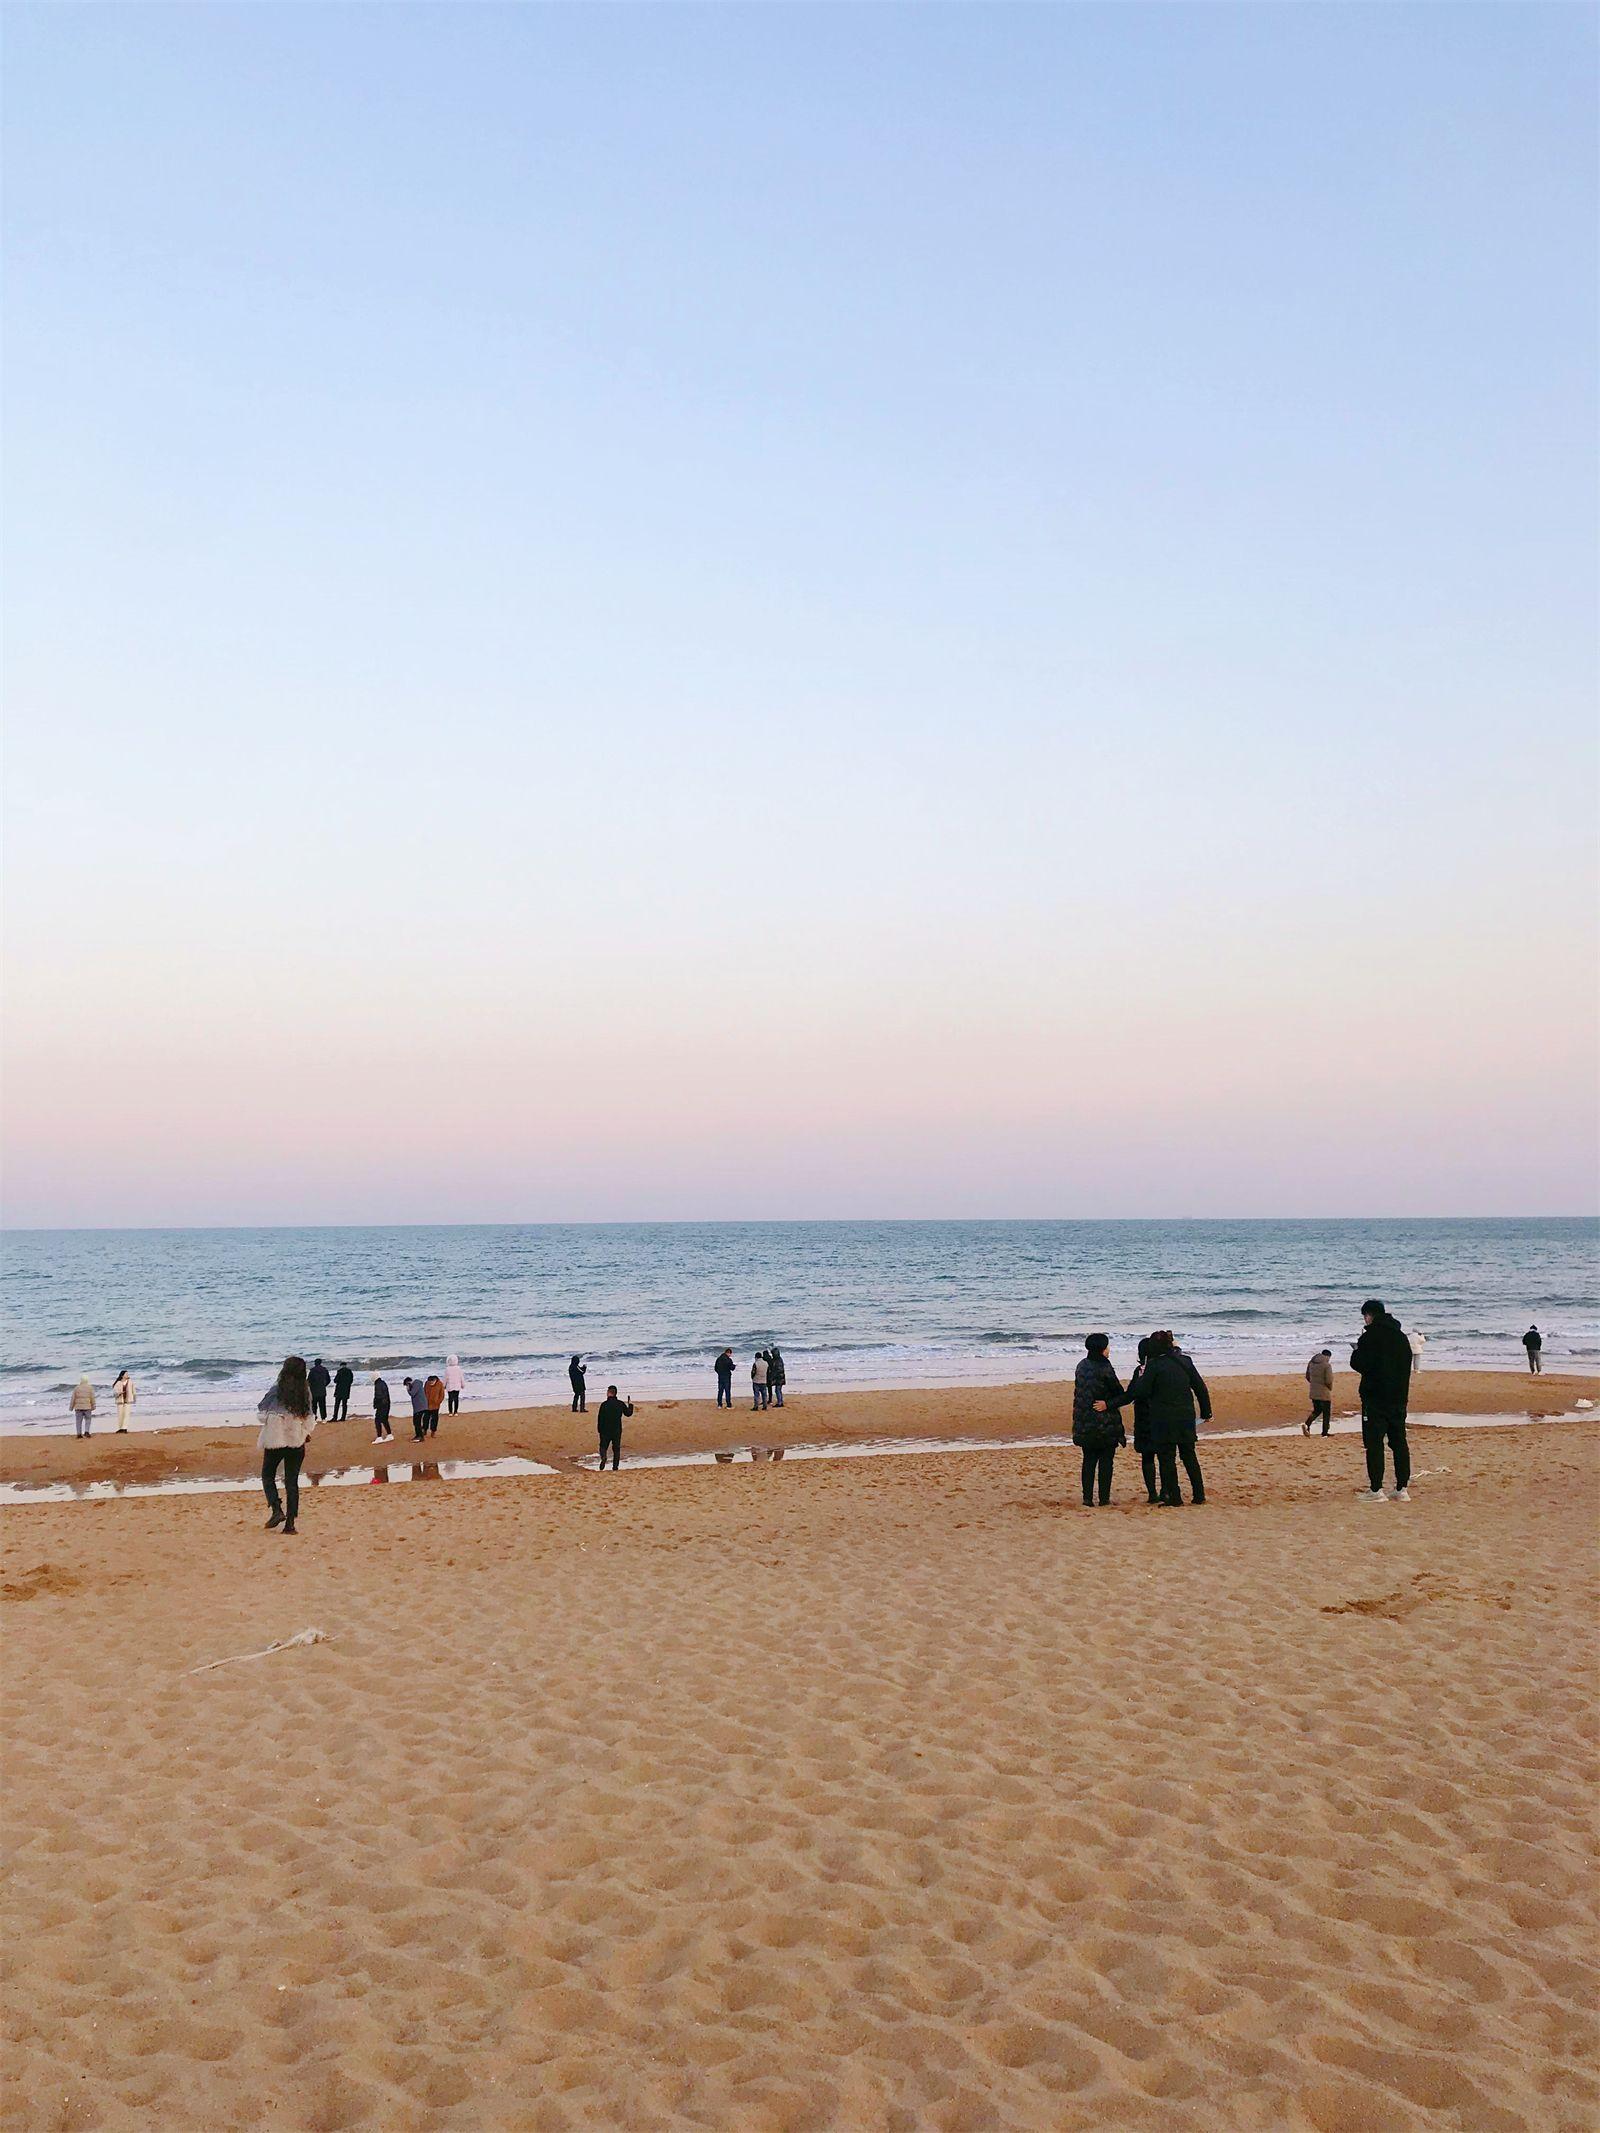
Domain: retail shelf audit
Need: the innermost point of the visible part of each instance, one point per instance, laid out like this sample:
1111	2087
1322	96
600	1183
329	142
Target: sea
202	1317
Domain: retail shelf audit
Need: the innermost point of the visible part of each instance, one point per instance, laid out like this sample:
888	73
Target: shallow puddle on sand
345	1477
337	1477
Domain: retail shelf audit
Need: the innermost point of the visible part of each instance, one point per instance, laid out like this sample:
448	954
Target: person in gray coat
1319	1376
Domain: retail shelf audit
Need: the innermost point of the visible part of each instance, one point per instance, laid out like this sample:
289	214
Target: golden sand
897	1794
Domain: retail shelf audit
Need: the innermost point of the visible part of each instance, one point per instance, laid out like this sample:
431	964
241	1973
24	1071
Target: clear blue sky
758	611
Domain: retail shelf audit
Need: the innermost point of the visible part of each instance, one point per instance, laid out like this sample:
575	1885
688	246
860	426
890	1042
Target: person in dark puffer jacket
1097	1429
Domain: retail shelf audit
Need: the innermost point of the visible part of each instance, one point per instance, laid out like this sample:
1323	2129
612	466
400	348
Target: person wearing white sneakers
1382	1360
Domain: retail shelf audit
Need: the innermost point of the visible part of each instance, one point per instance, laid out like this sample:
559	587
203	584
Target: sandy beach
897	1794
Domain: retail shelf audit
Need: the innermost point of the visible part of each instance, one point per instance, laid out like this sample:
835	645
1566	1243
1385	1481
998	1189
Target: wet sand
891	1794
555	1435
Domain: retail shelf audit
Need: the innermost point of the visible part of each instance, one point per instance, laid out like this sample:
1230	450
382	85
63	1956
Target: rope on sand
301	1636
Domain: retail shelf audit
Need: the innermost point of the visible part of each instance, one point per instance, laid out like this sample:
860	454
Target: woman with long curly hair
285	1425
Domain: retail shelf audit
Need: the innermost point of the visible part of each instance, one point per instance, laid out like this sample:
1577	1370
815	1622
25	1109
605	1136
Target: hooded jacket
83	1397
344	1379
1382	1356
1319	1376
453	1380
1167	1387
776	1374
380	1399
433	1392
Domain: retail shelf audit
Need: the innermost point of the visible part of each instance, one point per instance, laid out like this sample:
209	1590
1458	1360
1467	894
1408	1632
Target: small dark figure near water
1319	1376
777	1376
317	1383
419	1407
1533	1341
1097	1429
381	1432
723	1366
1382	1358
1169	1385
286	1423
579	1378
609	1419
344	1379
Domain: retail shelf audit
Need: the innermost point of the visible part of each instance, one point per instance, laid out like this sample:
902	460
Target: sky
619	613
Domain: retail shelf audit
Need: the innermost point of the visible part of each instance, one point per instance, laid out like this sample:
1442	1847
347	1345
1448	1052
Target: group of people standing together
429	1397
768	1376
1164	1392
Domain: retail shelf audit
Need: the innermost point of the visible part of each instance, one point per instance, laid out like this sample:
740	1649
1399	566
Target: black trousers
1152	1487
380	1422
1098	1461
1168	1456
341	1407
419	1423
289	1457
454	1399
1535	1362
1324	1408
433	1421
1381	1426
580	1401
319	1404
611	1441
724	1392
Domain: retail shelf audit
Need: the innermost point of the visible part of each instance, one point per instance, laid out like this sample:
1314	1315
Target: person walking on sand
454	1383
82	1407
1319	1376
433	1400
317	1384
1382	1359
609	1419
1170	1386
777	1377
286	1423
1533	1341
344	1383
381	1432
419	1407
124	1395
1097	1428
723	1366
579	1379
758	1380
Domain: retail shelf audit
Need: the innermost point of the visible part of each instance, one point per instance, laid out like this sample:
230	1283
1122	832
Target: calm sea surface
202	1317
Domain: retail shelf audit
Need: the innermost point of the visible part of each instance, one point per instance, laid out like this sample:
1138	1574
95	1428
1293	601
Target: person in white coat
286	1423
82	1407
124	1395
454	1383
758	1380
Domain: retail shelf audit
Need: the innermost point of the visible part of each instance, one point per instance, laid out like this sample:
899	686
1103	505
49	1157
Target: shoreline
554	1435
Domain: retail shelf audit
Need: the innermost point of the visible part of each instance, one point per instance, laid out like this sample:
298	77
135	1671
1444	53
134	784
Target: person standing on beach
609	1418
758	1380
381	1432
419	1407
454	1383
579	1379
82	1407
433	1400
286	1423
1382	1359
1144	1442
1170	1386
124	1395
344	1381
317	1384
723	1366
1418	1341
777	1376
1097	1429
1533	1341
1319	1376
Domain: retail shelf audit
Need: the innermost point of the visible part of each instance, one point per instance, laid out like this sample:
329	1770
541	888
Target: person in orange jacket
433	1400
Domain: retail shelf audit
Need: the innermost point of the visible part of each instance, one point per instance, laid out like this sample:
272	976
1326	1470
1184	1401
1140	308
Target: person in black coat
723	1366
1169	1386
1382	1359
1097	1429
579	1381
609	1420
381	1432
1533	1341
344	1379
317	1381
1144	1442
